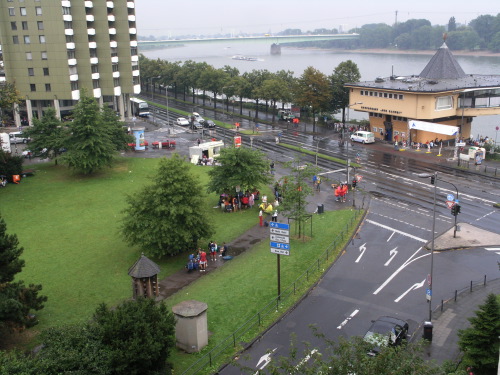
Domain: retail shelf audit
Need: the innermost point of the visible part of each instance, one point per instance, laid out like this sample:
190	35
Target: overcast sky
196	17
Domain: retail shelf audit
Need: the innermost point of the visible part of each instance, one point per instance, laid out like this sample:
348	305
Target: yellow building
441	94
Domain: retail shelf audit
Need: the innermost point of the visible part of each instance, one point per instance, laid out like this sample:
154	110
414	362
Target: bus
140	108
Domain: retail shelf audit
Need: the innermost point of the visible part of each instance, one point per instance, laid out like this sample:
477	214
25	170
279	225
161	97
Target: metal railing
273	309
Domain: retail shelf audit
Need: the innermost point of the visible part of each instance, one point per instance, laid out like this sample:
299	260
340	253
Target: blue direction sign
274	224
279	245
428	294
450	197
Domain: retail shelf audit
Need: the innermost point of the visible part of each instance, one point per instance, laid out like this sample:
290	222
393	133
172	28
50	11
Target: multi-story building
52	49
440	102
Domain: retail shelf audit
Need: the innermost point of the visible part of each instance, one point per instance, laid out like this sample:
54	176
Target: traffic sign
278	238
278	245
283	232
280	251
450	204
274	224
450	197
428	294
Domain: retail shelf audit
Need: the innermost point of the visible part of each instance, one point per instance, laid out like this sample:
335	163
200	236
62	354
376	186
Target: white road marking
488	214
413	287
397	231
496	249
353	314
265	359
392	253
362	248
390	236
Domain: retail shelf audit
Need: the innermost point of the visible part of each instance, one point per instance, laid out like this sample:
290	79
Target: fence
271	311
480	168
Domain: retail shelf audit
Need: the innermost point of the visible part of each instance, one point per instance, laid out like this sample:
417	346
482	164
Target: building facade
441	94
52	49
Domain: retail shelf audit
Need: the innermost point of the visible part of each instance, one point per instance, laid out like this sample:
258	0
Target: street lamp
153	94
347	149
429	294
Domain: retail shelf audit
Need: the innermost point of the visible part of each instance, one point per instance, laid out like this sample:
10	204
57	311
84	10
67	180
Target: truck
5	142
205	150
285	115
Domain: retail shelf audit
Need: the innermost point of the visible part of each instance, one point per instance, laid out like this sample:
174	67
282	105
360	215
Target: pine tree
480	341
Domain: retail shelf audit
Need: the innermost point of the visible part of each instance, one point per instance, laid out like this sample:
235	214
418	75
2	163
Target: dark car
196	125
208	124
386	331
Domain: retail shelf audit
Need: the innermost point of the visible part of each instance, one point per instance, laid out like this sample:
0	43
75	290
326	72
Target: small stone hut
144	275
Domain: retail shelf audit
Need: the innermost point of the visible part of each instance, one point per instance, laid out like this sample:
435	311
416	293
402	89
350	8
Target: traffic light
455	210
433	180
354	183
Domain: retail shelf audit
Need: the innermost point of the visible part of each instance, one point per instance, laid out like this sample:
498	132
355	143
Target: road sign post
279	244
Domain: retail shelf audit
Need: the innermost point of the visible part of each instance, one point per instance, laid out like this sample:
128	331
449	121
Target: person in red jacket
345	188
203	260
338	193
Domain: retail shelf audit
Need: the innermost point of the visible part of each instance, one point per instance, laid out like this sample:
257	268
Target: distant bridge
274	40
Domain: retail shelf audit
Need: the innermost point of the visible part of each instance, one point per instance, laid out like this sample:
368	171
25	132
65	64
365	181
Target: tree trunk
256	108
241	105
193	95
274	112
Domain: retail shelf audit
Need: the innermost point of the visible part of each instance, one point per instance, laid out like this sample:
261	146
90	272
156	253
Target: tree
8	97
295	189
345	72
10	165
480	341
90	147
273	90
48	135
452	24
115	129
244	167
313	92
168	216
16	300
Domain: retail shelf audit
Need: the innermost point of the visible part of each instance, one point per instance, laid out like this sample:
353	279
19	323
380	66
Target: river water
371	65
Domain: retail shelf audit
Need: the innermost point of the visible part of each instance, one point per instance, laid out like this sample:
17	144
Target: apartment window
47	87
22	10
38	11
27	39
45	71
74	85
44	55
115	67
444	102
32	87
40	25
116	82
24	25
12	12
41	38
93	52
68	24
15	39
390	96
95	83
66	10
401	97
13	26
31	72
133	51
29	56
94	68
71	54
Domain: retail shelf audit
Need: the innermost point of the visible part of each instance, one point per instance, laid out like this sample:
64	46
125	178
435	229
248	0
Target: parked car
197	125
197	117
209	124
182	121
386	331
18	137
363	137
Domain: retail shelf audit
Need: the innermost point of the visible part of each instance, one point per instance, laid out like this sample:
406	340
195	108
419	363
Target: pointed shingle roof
443	66
144	267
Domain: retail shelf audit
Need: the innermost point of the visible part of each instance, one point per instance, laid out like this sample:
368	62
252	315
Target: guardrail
271	311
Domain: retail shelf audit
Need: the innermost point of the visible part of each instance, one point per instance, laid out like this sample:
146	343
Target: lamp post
348	140
153	94
429	293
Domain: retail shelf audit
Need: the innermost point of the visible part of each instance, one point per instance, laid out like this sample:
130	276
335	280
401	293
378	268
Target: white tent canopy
432	127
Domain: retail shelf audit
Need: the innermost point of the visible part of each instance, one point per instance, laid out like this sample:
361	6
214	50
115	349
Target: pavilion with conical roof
144	275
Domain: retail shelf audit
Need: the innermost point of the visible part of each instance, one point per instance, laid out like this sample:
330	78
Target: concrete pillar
121	107
17	116
191	330
29	111
57	108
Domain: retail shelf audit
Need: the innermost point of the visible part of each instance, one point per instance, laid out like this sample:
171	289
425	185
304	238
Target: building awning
432	127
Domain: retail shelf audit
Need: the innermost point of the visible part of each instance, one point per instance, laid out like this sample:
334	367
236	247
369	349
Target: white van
363	137
18	137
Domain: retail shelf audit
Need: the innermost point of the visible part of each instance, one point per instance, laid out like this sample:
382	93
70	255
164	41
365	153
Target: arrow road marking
353	314
393	253
362	248
393	233
415	286
265	359
397	231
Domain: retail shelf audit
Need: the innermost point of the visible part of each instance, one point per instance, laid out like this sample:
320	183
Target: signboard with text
279	238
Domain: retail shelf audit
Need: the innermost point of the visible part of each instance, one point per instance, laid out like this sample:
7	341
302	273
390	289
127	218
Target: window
95	83
38	11
29	56
13	26
32	87
47	87
31	72
71	54
74	85
40	25
12	12
22	10
44	55
116	82
115	67
45	71
68	24
24	25
444	102
95	68
41	38
27	39
15	39
401	97
66	10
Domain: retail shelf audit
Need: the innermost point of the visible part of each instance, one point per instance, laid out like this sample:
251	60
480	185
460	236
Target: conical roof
144	267
443	66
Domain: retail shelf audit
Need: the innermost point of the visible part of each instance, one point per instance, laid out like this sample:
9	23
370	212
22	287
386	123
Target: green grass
69	228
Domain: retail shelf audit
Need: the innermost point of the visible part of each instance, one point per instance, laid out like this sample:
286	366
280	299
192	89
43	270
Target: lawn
69	228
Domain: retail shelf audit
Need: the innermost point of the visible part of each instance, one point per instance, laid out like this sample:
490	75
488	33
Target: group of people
238	201
340	191
199	260
316	183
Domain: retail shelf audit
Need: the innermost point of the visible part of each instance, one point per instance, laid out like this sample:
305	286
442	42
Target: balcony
130	4
89	17
66	3
73	77
95	75
110	4
137	89
113	44
94	60
133	43
132	31
67	17
114	59
111	18
71	62
112	31
70	45
93	45
116	74
91	31
136	73
118	91
134	58
89	4
75	95
131	18
97	93
69	32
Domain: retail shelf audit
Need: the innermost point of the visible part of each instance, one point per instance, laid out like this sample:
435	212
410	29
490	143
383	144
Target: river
371	65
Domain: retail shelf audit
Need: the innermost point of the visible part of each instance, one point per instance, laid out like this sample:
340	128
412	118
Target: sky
172	18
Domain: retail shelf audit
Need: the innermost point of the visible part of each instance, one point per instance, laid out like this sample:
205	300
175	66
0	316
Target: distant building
54	48
409	107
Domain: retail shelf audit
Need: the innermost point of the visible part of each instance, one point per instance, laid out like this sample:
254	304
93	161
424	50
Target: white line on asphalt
488	214
390	236
397	231
353	314
413	287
